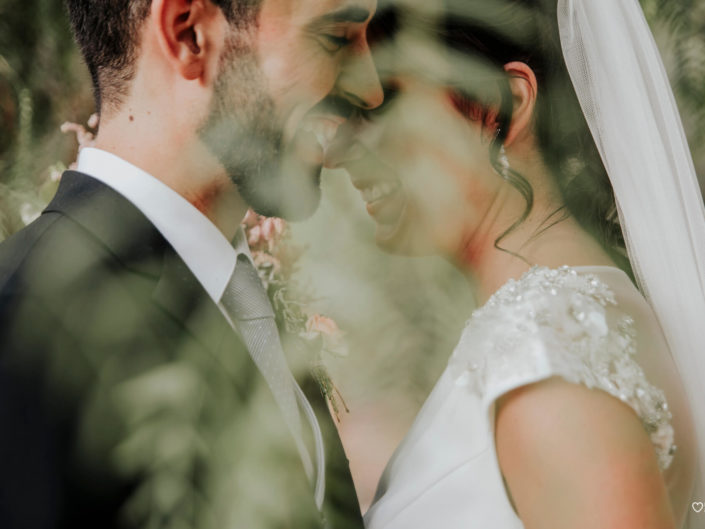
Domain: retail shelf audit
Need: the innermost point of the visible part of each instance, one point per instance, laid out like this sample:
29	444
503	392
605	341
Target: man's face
285	85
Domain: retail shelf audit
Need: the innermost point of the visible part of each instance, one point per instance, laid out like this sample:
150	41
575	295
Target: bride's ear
189	33
524	87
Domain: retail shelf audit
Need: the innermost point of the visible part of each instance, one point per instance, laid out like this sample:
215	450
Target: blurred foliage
43	82
403	316
679	27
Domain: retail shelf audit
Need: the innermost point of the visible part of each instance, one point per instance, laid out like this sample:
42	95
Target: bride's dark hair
492	33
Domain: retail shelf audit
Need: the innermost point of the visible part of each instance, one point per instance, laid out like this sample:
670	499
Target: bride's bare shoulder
577	457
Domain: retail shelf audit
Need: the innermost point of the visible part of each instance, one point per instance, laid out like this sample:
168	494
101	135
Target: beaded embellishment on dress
556	322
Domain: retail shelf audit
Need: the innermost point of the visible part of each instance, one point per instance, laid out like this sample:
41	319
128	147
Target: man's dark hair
107	32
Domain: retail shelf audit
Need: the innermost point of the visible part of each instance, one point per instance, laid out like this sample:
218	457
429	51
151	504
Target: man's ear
189	32
524	87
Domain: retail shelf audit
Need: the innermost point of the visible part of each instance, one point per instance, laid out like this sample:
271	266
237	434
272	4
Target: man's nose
359	82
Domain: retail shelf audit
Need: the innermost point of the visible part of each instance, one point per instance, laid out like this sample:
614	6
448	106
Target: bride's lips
385	200
381	190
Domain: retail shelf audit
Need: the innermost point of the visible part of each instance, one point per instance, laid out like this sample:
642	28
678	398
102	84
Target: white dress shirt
200	244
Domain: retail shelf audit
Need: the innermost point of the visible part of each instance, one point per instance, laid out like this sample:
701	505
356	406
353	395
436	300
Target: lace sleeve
556	322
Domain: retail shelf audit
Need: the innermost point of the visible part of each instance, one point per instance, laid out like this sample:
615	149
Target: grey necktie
246	302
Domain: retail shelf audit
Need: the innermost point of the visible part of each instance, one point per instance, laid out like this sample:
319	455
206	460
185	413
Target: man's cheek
311	73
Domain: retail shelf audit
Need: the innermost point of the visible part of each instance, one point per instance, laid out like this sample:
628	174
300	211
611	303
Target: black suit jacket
126	400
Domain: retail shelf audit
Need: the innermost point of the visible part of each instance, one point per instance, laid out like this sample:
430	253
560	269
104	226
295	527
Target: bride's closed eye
468	106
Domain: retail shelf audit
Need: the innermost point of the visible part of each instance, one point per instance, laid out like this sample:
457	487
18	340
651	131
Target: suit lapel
112	220
181	296
341	507
133	240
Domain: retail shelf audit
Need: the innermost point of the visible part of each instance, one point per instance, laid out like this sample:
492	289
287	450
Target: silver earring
503	163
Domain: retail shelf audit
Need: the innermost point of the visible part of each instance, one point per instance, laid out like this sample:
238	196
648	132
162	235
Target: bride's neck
547	238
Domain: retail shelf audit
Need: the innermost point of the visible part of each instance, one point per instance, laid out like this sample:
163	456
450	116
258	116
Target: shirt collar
200	244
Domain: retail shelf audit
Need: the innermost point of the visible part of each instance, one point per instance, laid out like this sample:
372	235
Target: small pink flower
322	325
268	229
263	259
93	121
328	331
251	219
279	226
85	138
254	236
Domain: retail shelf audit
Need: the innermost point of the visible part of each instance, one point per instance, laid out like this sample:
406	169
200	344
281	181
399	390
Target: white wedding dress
589	325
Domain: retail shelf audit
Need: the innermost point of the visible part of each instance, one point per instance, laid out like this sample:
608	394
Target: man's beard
243	132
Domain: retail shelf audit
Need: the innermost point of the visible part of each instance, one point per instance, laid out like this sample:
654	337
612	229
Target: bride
536	144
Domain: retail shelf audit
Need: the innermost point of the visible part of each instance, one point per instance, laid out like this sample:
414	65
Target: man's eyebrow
354	14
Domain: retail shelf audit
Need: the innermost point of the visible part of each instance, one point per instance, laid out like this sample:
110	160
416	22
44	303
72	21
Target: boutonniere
276	259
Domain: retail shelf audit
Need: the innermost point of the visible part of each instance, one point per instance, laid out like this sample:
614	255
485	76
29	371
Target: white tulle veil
629	106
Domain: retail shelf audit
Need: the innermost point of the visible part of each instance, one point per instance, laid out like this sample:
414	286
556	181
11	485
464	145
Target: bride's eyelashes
466	105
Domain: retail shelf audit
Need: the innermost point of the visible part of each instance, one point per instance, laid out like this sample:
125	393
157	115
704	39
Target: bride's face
423	169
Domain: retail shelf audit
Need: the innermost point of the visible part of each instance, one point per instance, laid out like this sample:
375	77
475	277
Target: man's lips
306	149
344	145
312	138
323	126
325	118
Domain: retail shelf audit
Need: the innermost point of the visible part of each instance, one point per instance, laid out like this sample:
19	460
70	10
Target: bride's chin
399	238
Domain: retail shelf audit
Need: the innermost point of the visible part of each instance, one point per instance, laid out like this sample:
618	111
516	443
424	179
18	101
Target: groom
142	380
